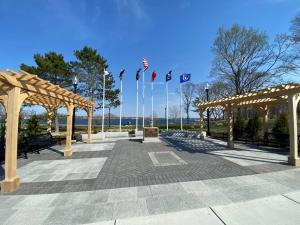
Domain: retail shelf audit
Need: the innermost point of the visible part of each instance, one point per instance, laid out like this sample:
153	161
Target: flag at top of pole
137	77
153	76
185	77
169	76
121	74
145	64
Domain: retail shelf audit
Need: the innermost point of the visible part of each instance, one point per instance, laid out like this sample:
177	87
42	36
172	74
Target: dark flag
169	76
138	74
121	74
153	75
185	77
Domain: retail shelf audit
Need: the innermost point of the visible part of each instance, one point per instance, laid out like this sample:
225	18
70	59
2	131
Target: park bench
36	143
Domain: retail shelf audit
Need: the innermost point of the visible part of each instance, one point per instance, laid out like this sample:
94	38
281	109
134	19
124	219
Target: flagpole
103	101
180	107
152	102
137	105
167	108
143	90
121	104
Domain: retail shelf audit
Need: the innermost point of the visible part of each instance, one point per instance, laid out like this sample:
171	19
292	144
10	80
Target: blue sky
171	34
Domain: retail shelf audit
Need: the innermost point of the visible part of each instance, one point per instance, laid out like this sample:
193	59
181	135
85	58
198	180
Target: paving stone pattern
128	164
233	198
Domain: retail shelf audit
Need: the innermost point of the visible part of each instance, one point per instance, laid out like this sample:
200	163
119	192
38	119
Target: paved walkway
179	180
129	163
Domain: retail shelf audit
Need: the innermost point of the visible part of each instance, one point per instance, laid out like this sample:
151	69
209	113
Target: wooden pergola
262	99
21	87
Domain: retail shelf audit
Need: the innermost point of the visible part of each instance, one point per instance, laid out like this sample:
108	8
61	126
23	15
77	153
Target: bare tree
217	90
188	94
245	60
174	112
296	28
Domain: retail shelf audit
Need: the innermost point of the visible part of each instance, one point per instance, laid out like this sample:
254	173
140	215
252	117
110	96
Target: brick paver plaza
180	180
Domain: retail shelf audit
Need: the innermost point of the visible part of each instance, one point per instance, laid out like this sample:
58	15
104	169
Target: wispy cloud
134	7
69	16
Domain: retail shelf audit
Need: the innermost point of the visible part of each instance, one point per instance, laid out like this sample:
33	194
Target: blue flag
185	77
169	76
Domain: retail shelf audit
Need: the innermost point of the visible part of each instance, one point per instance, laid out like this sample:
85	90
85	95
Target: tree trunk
108	117
56	121
187	117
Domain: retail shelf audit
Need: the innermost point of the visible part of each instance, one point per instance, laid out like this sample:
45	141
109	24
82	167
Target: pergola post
14	101
89	131
68	148
201	125
49	119
229	126
292	106
265	110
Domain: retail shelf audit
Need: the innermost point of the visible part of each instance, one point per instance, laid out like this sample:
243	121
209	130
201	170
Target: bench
36	143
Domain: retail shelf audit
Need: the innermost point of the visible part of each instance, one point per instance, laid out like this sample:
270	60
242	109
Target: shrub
239	126
33	127
254	127
281	128
131	132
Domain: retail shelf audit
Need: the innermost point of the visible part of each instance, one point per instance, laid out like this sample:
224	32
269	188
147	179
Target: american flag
145	64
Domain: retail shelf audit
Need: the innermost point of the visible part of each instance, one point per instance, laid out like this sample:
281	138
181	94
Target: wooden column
49	119
89	131
68	149
14	101
265	110
229	126
292	106
201	125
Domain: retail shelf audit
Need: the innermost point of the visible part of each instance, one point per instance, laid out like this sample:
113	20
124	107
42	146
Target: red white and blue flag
145	64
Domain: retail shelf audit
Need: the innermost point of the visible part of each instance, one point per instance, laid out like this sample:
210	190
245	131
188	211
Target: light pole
105	73
75	83
207	111
121	94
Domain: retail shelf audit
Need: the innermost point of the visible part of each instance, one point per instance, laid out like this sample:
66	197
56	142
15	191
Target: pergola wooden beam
21	87
257	97
262	99
13	78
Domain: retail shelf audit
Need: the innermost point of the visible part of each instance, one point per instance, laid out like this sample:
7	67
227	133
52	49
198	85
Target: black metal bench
37	143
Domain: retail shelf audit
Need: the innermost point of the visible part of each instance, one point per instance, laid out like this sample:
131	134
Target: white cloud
134	7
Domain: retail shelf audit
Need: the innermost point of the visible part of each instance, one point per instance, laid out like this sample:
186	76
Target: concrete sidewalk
234	198
275	210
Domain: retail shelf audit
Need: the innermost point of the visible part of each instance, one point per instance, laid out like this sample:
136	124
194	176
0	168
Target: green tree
254	127
112	99
245	59
89	67
281	128
239	125
52	67
33	127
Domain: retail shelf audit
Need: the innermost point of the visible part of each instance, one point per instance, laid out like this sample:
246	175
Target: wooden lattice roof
39	91
267	96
